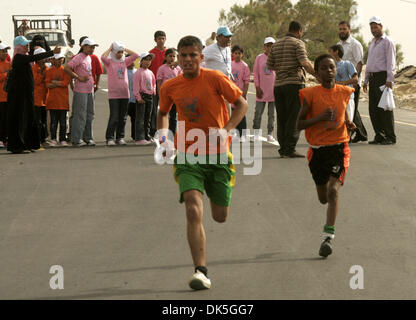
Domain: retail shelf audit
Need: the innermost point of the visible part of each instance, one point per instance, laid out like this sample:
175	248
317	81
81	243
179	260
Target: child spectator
264	79
325	120
169	70
40	94
57	102
131	110
5	66
241	77
118	90
159	57
80	68
144	89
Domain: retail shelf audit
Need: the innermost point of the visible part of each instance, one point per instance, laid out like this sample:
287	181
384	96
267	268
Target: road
111	218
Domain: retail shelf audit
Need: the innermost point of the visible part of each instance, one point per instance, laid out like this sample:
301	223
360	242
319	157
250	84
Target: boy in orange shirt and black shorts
326	123
199	98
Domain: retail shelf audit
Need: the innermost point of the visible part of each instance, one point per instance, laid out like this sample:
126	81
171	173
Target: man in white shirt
354	53
217	56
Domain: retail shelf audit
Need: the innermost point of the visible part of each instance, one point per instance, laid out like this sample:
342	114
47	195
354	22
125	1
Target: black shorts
329	161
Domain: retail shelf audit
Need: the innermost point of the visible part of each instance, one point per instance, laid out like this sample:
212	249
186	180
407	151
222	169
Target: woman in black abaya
22	126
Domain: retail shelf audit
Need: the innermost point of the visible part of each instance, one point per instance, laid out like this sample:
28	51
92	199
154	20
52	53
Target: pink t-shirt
144	81
118	81
241	73
81	65
264	78
165	72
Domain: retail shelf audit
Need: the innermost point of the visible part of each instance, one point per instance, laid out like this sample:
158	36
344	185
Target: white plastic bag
351	108
387	99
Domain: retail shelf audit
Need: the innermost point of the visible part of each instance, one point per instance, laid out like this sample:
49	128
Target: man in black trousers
289	59
381	66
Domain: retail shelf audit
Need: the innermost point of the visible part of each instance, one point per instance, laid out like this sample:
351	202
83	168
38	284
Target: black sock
204	270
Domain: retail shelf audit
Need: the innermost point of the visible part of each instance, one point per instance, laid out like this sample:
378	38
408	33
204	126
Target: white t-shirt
353	52
218	58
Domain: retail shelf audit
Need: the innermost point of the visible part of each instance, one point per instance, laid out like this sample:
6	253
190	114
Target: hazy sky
133	22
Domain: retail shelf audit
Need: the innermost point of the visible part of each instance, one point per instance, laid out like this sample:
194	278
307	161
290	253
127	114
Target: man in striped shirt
289	59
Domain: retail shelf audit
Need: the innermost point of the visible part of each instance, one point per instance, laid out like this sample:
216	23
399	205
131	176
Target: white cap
58	56
3	46
146	54
88	42
269	40
375	19
118	46
39	51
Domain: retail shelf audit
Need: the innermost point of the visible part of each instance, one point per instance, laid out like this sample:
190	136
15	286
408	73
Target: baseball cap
21	41
89	42
375	19
269	40
146	54
118	46
58	56
3	46
225	31
39	51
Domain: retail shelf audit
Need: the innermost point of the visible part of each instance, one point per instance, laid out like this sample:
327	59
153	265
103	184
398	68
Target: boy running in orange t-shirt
326	121
57	81
199	98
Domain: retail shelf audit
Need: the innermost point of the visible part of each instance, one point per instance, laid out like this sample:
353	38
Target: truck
56	29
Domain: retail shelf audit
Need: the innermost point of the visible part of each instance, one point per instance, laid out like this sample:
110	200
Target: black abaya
23	132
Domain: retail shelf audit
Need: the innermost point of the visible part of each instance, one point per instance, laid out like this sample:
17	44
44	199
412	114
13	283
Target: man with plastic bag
381	66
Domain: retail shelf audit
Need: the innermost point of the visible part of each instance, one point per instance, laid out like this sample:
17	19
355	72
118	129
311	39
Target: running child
5	66
199	97
118	91
57	102
326	122
241	77
169	70
144	88
264	79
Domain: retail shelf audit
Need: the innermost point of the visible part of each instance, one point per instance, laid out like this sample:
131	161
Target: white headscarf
117	47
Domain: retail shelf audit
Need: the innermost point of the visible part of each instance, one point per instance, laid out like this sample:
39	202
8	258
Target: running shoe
64	143
326	248
199	281
111	143
53	143
1	144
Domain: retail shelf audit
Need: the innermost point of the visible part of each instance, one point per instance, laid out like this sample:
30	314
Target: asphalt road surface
110	217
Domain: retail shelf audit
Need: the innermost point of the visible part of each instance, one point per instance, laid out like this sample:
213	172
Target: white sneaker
256	138
64	143
91	143
111	143
243	139
1	144
53	143
199	281
270	138
79	144
142	143
121	142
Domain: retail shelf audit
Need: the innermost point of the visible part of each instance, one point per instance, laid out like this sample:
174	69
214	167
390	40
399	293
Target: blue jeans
117	120
83	115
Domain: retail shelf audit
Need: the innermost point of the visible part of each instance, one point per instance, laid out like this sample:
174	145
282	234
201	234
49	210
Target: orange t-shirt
200	105
4	67
326	133
58	98
40	90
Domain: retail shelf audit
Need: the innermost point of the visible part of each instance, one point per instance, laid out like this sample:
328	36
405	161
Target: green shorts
217	180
